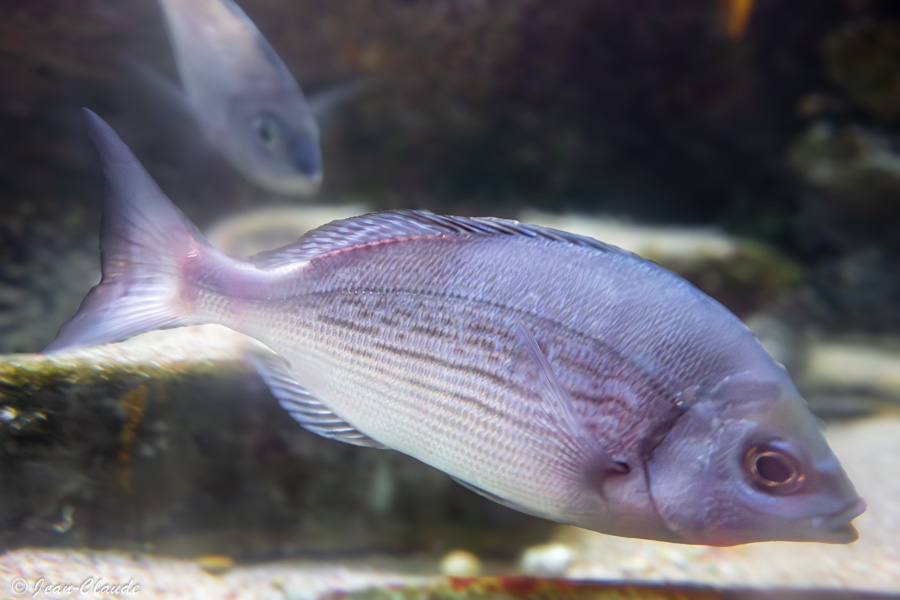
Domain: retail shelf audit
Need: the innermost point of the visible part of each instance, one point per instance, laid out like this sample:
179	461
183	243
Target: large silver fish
247	102
551	372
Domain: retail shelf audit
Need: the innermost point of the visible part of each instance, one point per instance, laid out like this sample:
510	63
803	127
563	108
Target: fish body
551	372
247	102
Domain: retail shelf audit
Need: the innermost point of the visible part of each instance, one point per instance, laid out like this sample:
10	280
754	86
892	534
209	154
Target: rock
169	442
460	563
857	169
547	560
853	377
862	58
847	159
267	228
215	564
743	274
782	341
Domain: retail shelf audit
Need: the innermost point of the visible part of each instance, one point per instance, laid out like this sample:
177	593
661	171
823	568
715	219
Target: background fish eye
772	470
265	127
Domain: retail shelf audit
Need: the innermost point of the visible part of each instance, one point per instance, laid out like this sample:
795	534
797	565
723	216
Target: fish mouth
837	527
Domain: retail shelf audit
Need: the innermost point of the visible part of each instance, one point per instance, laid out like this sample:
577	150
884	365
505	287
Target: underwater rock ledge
169	443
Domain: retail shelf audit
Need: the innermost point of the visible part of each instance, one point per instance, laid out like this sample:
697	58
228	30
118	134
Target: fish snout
306	157
837	527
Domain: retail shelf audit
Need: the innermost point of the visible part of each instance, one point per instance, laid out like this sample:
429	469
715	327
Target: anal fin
302	405
493	497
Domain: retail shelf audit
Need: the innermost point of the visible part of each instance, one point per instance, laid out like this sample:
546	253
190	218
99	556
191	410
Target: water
747	157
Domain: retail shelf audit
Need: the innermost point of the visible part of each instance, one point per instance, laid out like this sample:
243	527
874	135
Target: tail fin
145	244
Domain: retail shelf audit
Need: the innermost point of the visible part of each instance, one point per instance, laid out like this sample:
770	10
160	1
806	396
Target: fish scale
351	404
455	391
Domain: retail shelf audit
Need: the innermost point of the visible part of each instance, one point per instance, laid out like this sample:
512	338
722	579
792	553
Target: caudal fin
146	244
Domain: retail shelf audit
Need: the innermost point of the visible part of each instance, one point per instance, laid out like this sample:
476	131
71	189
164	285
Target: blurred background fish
249	105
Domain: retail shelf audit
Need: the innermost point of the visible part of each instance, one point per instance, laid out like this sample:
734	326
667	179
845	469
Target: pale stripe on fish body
551	372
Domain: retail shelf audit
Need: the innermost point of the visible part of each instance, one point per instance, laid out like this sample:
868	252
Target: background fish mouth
294	185
837	527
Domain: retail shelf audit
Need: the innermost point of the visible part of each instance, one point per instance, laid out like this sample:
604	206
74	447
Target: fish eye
772	470
265	126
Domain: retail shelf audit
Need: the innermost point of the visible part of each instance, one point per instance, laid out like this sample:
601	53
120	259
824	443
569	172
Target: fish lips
837	528
306	156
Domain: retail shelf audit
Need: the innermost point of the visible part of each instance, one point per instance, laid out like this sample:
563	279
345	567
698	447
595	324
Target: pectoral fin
557	418
302	405
325	103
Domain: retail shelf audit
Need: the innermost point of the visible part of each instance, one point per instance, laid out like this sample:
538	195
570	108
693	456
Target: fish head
746	462
273	140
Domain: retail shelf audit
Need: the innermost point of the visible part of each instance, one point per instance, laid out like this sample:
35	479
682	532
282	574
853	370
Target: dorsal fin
375	228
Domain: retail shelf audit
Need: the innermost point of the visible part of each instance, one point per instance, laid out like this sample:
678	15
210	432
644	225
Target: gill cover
746	462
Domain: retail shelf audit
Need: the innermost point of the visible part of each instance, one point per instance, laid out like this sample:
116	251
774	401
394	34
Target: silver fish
548	371
247	102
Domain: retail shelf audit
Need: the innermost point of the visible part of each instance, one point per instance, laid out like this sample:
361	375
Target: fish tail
149	253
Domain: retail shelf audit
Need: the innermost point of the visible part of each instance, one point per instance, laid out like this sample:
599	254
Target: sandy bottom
869	450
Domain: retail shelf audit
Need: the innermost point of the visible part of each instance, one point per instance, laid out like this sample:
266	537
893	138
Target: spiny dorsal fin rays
382	227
